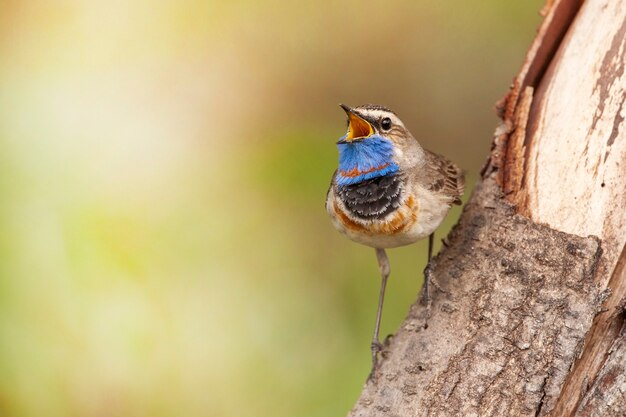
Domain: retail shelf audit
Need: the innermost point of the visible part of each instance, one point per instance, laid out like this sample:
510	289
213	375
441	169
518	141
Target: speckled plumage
372	199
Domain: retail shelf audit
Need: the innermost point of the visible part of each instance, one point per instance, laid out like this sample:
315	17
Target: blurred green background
163	168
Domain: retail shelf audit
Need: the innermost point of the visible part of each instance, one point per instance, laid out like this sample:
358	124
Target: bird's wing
330	187
444	177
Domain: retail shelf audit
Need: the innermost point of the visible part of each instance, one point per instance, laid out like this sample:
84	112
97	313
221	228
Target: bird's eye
385	123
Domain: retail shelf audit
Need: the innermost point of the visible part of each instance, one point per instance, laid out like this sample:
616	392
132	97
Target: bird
388	191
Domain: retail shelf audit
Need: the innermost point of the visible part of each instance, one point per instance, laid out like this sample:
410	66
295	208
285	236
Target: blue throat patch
364	160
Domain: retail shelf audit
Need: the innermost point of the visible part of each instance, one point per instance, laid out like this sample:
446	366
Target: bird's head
376	144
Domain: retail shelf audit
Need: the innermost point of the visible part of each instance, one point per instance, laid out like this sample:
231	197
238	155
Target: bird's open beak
358	128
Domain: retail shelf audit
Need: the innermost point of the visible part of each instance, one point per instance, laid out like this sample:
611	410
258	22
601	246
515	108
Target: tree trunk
530	317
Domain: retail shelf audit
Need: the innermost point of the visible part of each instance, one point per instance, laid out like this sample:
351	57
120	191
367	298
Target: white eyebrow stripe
379	114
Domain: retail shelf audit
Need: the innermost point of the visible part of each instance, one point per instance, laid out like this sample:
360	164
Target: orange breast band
354	172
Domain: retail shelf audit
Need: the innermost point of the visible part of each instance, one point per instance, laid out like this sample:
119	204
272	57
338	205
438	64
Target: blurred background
164	249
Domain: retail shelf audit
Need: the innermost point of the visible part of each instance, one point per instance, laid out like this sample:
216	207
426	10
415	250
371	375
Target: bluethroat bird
388	191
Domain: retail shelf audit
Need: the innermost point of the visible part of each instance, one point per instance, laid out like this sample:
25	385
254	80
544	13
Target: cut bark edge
558	16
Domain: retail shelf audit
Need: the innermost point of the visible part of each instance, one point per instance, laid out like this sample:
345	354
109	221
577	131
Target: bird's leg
385	269
428	271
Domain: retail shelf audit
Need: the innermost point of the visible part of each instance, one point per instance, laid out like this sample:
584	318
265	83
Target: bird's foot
376	348
428	278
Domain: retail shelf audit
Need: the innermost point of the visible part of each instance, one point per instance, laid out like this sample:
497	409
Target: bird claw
429	278
428	272
376	348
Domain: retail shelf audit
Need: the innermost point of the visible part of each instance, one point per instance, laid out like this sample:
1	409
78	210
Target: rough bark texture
531	318
519	300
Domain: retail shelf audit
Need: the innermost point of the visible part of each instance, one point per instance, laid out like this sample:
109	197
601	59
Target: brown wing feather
443	176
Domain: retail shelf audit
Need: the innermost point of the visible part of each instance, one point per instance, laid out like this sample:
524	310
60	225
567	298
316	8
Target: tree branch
520	330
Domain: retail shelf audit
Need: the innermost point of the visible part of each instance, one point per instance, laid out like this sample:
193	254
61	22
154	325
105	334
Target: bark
530	319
